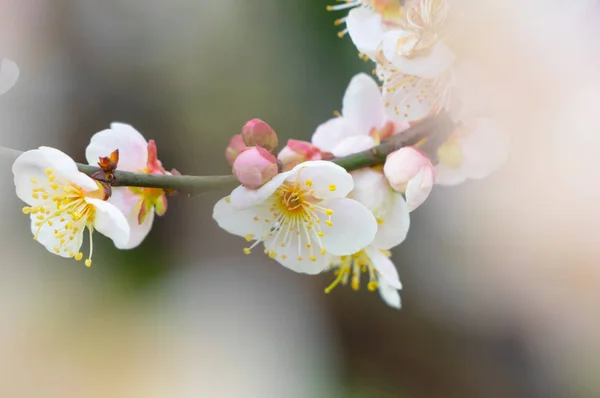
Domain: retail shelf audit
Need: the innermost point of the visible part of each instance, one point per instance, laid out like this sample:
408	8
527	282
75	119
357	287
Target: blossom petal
370	188
127	201
418	188
363	104
393	223
45	235
243	198
353	227
132	146
385	267
66	170
28	167
439	59
365	28
9	74
242	222
411	98
297	258
445	175
353	145
390	295
110	221
328	135
326	179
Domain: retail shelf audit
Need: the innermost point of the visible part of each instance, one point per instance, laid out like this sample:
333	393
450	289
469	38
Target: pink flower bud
236	145
258	133
296	152
409	171
254	167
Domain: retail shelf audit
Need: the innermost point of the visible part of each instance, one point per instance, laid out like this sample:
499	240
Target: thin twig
435	129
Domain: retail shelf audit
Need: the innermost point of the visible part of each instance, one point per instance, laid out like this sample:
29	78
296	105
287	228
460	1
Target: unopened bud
258	133
296	152
254	167
409	171
236	146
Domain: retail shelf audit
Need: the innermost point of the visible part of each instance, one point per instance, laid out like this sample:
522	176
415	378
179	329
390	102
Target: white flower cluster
317	217
63	202
304	211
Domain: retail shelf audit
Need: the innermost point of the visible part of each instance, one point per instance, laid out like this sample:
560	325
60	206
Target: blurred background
501	276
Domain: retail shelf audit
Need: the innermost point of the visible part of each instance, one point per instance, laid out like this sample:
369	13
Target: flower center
350	269
296	219
63	208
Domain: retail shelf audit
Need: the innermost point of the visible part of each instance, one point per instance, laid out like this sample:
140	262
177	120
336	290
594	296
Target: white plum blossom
393	221
363	122
9	74
63	203
409	171
385	12
135	155
301	216
477	148
413	62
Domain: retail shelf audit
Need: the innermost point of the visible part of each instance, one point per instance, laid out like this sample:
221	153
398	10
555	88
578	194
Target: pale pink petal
353	145
248	223
365	29
243	197
9	74
65	169
394	223
385	267
354	227
329	134
370	188
110	221
326	179
403	165
132	146
296	257
419	188
363	104
126	201
429	66
449	176
411	98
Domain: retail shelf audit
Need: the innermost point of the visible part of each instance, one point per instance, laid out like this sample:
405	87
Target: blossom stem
435	129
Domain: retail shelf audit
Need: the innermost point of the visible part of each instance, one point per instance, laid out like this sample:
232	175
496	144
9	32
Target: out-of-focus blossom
258	133
63	202
393	221
413	62
409	171
236	146
363	122
296	152
136	155
302	216
254	167
383	13
475	150
9	74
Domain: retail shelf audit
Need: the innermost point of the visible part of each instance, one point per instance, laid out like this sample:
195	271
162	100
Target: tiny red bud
236	145
258	133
